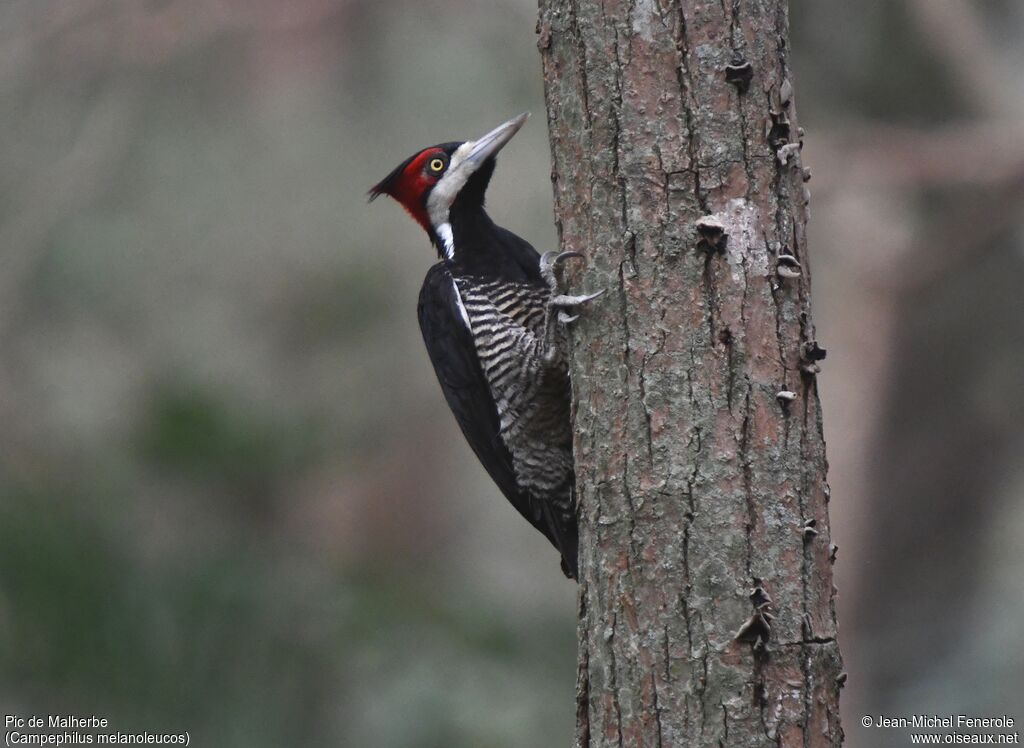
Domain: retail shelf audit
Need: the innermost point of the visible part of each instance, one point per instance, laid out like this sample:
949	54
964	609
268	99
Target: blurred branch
956	31
984	161
974	155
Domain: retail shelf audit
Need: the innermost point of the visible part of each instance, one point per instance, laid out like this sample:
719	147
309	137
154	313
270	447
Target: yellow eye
436	165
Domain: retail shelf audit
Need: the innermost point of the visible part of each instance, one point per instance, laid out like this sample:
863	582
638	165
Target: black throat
482	248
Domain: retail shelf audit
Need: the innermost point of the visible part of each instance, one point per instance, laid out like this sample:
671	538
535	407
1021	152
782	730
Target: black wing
453	354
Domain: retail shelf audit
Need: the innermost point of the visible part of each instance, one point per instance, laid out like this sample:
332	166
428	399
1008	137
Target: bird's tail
564	533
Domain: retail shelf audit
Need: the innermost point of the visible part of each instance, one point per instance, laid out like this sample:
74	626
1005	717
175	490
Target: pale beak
477	152
493	141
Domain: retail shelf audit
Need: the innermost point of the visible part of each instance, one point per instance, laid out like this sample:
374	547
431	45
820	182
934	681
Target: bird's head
444	178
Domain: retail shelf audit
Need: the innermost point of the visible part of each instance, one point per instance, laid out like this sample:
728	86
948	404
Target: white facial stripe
460	155
467	159
462	307
447	239
447	188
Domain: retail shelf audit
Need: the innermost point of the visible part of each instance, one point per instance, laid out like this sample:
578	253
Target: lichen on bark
706	601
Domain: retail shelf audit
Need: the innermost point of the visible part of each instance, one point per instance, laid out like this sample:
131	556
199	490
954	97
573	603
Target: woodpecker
493	315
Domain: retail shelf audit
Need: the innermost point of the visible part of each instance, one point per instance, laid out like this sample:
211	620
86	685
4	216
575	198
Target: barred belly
532	396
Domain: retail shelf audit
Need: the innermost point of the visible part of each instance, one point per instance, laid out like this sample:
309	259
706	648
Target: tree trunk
706	598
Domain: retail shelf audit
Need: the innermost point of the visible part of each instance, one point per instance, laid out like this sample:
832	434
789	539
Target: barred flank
507	321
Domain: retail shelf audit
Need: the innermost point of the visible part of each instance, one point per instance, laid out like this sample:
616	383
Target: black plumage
490	314
453	352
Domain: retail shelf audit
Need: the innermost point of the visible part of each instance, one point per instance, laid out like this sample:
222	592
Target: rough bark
706	597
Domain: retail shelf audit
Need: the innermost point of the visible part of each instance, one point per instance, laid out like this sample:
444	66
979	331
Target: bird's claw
559	303
550	260
550	264
564	301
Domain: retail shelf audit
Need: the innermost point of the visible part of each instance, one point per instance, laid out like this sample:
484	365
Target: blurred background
232	499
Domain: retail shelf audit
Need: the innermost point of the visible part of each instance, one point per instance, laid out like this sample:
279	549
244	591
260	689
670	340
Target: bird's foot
560	305
567	302
550	267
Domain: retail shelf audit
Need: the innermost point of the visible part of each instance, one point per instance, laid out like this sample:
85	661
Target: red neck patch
408	184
